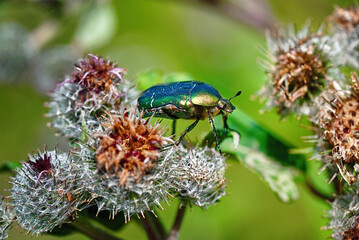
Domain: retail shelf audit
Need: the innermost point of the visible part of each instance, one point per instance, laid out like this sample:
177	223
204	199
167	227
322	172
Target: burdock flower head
130	147
346	18
196	175
47	191
297	70
96	85
344	42
338	130
6	219
344	216
128	152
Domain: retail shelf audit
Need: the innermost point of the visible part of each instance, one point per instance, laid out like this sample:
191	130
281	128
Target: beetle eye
221	105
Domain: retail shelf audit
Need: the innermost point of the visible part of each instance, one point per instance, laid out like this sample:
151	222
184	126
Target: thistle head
196	175
129	155
6	218
47	191
297	73
344	33
345	18
338	129
129	147
297	70
95	86
96	74
344	217
41	163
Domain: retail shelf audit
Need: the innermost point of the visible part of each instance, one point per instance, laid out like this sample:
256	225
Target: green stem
174	233
262	18
92	231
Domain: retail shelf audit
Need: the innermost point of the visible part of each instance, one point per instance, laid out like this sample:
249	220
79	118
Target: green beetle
186	100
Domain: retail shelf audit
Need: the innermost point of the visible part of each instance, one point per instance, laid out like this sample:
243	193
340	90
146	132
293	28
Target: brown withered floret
347	18
96	74
342	130
296	73
351	233
130	147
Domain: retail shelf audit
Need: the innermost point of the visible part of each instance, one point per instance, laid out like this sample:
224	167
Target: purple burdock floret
41	165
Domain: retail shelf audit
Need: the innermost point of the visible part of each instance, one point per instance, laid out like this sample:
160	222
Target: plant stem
261	18
92	231
174	233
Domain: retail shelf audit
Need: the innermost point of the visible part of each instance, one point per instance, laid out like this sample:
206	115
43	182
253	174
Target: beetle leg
174	128
225	124
210	118
226	127
188	129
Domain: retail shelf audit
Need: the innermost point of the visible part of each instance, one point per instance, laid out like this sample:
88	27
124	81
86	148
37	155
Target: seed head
297	70
130	147
41	163
48	190
346	18
297	73
352	233
344	217
338	131
6	219
344	34
196	175
95	86
129	154
96	74
342	131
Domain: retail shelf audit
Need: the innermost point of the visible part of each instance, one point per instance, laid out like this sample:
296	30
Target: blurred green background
173	36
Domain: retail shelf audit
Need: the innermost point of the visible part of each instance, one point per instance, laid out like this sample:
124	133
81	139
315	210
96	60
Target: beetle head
226	105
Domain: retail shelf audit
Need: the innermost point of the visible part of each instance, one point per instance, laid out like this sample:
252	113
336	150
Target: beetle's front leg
188	129
226	127
174	128
210	118
225	124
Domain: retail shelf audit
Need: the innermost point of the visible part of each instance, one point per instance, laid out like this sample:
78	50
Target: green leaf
253	135
9	166
280	179
261	152
222	134
177	77
153	77
97	27
149	78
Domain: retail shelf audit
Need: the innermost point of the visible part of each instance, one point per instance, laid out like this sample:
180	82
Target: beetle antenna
237	94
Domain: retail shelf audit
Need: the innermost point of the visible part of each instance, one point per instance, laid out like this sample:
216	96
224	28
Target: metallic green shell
185	100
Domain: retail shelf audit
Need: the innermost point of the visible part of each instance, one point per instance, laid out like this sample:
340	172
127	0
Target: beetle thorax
225	105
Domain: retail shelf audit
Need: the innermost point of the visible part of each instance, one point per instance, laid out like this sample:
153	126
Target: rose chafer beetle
186	100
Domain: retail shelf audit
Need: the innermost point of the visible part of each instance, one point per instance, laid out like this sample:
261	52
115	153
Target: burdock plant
95	85
48	190
119	163
297	68
129	176
123	167
315	75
